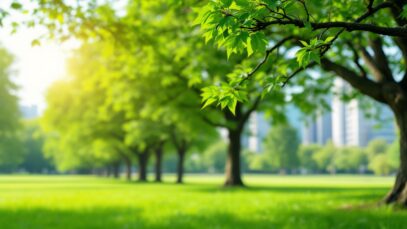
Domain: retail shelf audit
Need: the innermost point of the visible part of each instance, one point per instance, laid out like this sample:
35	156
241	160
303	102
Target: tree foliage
281	147
11	151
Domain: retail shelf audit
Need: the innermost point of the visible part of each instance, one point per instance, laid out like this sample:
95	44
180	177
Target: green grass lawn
269	202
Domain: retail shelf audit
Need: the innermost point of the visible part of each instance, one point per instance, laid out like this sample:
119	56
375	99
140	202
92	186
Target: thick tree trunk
232	169
143	163
180	165
127	162
399	192
158	164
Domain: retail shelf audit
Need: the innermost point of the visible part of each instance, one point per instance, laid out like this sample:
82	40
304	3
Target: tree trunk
232	169
158	163
180	165
399	192
143	163
127	162
108	171
116	170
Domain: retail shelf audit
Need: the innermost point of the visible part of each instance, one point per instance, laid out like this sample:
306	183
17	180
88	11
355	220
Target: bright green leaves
235	43
311	52
306	56
226	3
223	96
225	22
272	4
243	41
249	46
258	42
16	6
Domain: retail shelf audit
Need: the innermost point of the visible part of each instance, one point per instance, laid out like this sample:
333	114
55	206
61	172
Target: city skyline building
345	124
349	124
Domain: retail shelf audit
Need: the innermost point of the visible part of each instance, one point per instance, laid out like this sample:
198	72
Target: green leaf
329	39
259	42
208	102
249	46
308	26
232	106
314	41
224	102
306	56
304	43
16	5
242	3
314	56
35	42
227	3
301	53
271	3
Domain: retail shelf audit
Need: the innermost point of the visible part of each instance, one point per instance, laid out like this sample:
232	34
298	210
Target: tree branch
268	52
370	12
212	123
381	59
356	59
371	64
305	8
402	44
370	5
349	26
364	85
247	114
296	72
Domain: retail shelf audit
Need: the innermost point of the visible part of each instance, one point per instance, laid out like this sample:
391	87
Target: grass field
270	202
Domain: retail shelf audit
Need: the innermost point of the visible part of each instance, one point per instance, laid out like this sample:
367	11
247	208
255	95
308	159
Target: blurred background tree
281	148
11	150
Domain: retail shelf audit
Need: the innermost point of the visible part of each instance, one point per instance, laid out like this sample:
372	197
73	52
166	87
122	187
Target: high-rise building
324	128
349	125
345	124
309	132
338	114
318	129
257	131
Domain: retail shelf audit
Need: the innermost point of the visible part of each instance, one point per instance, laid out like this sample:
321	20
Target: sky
36	68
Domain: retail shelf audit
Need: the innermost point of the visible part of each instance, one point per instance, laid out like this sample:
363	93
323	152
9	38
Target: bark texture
127	162
180	165
398	194
158	163
232	169
143	164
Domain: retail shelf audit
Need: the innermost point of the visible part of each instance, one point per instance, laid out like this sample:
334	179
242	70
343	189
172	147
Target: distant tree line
283	154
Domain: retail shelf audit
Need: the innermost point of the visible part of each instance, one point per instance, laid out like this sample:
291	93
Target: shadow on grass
116	218
289	189
371	196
